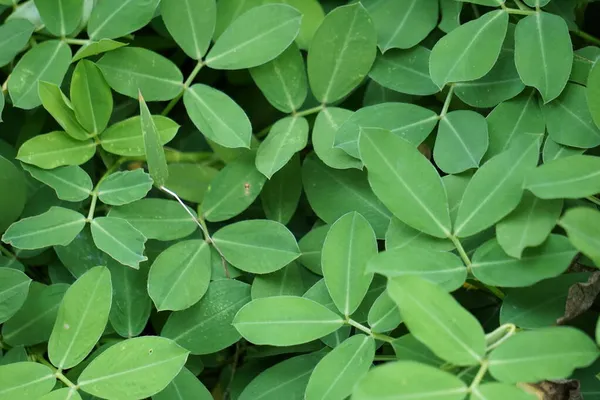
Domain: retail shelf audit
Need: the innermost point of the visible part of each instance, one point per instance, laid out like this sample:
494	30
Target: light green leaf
55	102
328	121
450	10
82	317
284	282
568	120
190	181
256	37
411	122
311	246
229	10
285	321
528	225
185	386
111	19
60	17
312	17
405	71
81	254
549	353
54	149
593	94
283	80
491	265
341	53
233	189
445	269
157	218
496	188
217	116
583	227
119	239
407	347
12	206
206	327
125	137
191	23
584	60
400	235
62	394
461	141
14	286
544	53
134	368
71	183
56	227
438	321
287	137
571	178
281	194
402	24
397	172
469	51
91	97
419	381
15	34
384	315
337	373
25	380
180	275
47	62
349	245
130	70
97	47
553	151
153	150
124	187
500	391
257	246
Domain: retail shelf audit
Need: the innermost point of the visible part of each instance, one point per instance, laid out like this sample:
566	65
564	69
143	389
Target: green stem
57	372
499	336
79	42
480	375
587	37
461	251
186	85
7	252
447	101
361	327
385	358
594	200
309	111
94	193
521	5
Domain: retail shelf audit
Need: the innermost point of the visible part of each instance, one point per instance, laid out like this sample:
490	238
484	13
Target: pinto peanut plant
299	199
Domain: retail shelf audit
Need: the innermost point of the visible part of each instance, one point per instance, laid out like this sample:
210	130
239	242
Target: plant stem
7	252
385	358
480	375
79	42
521	6
499	336
361	327
57	373
94	193
461	251
586	36
594	200
186	85
447	101
5	84
309	111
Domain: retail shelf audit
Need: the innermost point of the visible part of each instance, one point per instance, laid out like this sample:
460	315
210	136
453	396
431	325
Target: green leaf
336	374
583	63
469	51
283	80
397	172
461	141
56	227
257	246
256	37
349	245
180	275
408	121
384	315
571	177
111	19
157	218
71	183
62	394
191	23
47	62
217	116
12	206
81	254
16	33
91	97
229	10
55	149
287	137
97	47
119	239
402	25
341	53
553	151
568	120
450	10
491	265
500	391
544	53
134	368
438	321
549	353
206	327
233	190
33	322
528	225
190	181
82	317
311	246
124	187
130	70
153	150
496	188
55	102
583	227
400	235
281	194
445	269
285	321
184	386
125	137
14	286
593	93
328	121
60	17
25	380
419	381
407	347
405	71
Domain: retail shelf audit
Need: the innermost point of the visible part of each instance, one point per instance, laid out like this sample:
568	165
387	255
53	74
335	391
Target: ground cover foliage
262	199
